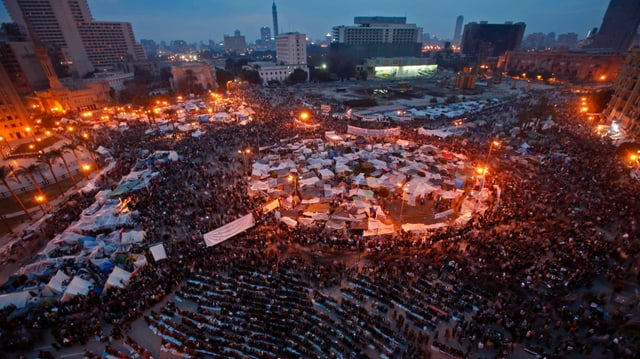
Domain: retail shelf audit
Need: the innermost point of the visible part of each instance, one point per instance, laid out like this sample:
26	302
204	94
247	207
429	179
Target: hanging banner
229	230
372	132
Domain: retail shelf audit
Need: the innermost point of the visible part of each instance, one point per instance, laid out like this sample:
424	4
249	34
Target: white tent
118	278
19	299
56	284
289	221
326	174
132	237
77	286
375	228
158	252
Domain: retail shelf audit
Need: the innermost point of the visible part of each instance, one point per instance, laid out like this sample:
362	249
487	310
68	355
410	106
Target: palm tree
57	153
28	171
72	147
48	160
4	174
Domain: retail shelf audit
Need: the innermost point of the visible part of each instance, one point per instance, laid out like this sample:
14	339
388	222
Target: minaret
274	11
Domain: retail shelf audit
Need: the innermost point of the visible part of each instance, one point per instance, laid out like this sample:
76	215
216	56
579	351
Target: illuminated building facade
579	65
624	107
13	114
400	67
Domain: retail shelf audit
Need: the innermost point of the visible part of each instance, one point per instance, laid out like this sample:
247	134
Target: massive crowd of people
549	268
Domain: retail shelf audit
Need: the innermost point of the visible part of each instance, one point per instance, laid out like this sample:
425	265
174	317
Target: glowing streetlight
483	170
41	200
244	153
404	190
304	116
294	181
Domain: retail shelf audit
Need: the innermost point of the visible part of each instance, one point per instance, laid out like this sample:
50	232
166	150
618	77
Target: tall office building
274	13
491	40
291	48
624	107
458	31
378	30
619	25
236	43
373	37
68	27
265	34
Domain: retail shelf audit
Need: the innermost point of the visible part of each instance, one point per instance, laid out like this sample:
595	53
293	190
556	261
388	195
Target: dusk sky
195	20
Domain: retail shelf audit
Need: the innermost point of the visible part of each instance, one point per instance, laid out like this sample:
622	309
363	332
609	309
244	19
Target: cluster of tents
309	174
99	251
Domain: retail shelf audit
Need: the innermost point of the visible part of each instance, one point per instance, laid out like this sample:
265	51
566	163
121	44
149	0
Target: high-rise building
491	40
567	41
68	27
236	43
624	107
619	25
274	13
372	37
378	30
265	34
458	31
291	48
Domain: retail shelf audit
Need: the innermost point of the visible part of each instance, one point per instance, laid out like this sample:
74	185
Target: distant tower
457	32
274	11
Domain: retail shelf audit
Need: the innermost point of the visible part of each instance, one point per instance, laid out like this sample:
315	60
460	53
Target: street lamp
483	170
86	168
304	116
244	153
404	190
294	181
634	159
41	199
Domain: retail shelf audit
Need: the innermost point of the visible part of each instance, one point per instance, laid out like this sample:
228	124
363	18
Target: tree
222	77
72	147
5	171
28	171
60	154
251	76
297	76
49	160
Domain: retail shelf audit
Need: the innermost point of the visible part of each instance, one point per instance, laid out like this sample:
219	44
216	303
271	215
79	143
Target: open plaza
282	223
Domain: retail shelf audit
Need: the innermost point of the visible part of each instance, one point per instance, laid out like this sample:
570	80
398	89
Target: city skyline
195	21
